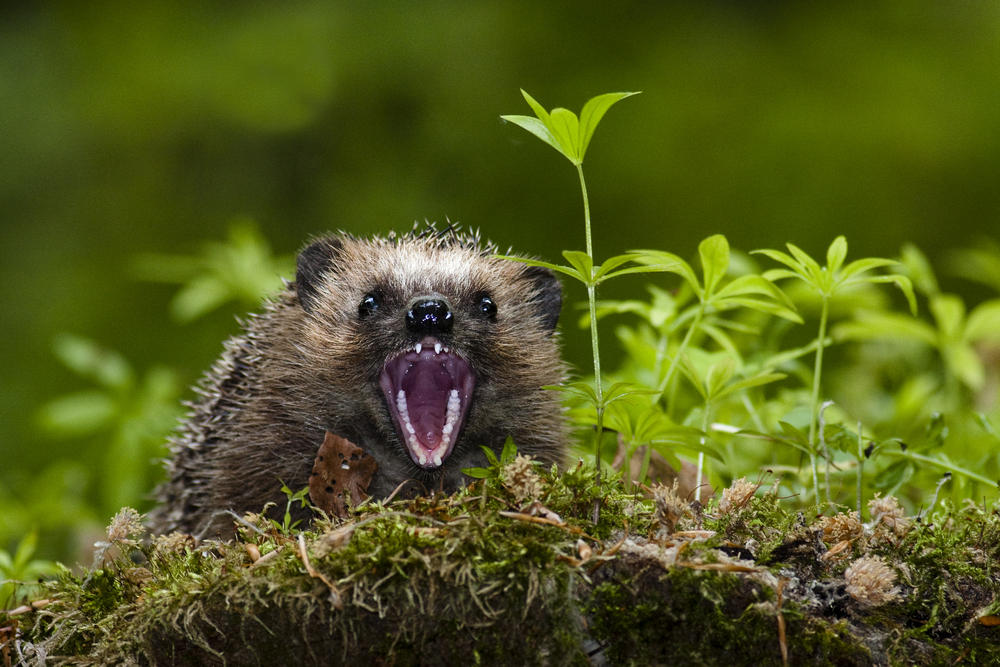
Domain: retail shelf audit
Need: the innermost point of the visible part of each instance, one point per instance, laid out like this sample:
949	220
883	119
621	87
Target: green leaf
812	268
579	389
490	456
963	362
592	113
798	271
755	284
763	306
90	360
864	265
984	322
80	413
949	313
904	285
536	127
558	268
668	262
561	128
836	254
695	441
691	373
610	264
714	254
539	110
582	262
781	274
620	390
750	382
872	324
724	341
565	127
718	375
198	297
25	550
509	451
477	473
919	270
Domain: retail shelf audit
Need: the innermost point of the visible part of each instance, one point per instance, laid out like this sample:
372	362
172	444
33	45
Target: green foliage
562	129
121	419
287	525
571	136
721	331
240	269
126	415
507	455
20	572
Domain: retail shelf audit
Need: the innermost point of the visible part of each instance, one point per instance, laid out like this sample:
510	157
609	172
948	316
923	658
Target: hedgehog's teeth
411	433
437	459
437	348
418	347
454	410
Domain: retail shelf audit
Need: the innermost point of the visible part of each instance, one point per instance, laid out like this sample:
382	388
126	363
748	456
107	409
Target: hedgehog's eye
487	307
369	304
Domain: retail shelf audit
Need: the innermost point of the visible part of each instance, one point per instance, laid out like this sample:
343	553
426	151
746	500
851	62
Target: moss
685	616
486	576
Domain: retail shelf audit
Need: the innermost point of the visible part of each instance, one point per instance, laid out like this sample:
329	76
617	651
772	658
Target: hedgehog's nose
429	316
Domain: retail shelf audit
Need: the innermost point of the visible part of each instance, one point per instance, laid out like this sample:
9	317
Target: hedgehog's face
430	326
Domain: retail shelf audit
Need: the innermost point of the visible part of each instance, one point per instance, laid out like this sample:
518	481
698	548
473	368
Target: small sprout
871	582
841	527
520	478
737	496
670	507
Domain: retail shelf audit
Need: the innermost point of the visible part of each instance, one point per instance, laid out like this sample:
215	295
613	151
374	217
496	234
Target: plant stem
817	374
861	464
680	353
592	302
701	455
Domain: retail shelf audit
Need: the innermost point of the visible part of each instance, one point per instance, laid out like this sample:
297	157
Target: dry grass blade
316	574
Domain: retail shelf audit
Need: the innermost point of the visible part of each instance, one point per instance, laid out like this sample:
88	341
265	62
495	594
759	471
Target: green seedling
826	282
570	135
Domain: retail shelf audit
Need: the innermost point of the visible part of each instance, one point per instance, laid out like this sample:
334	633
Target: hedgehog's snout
429	316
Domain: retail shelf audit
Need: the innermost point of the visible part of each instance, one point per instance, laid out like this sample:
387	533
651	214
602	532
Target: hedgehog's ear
314	262
547	299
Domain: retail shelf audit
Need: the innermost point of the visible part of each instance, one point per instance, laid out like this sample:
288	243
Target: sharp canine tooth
437	348
418	347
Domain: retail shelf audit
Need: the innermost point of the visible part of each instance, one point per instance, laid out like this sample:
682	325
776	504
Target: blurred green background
128	130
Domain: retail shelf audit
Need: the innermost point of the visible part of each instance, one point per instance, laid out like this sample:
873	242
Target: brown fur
297	372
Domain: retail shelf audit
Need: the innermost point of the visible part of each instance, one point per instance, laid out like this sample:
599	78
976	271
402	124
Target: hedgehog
421	349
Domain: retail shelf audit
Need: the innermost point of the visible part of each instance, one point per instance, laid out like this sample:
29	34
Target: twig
316	574
25	608
782	638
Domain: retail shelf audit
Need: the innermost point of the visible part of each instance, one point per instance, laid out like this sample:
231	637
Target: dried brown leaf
341	470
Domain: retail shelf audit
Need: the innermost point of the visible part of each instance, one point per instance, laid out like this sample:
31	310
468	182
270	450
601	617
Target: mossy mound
492	575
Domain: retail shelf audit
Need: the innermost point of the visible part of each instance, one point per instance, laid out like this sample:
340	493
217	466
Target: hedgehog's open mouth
428	389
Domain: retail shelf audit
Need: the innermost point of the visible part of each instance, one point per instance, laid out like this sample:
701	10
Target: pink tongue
427	385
